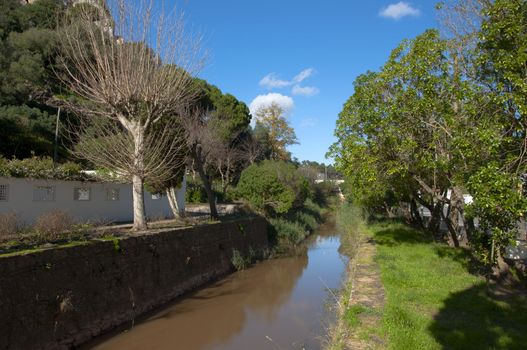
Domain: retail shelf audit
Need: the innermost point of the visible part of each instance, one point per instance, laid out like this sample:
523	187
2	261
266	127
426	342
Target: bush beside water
351	223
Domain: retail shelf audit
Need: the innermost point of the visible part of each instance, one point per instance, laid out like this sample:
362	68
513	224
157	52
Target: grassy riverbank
434	298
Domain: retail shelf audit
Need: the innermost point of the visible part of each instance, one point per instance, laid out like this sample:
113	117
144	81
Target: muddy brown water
277	304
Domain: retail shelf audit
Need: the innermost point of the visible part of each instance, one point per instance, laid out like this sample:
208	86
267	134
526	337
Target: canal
277	304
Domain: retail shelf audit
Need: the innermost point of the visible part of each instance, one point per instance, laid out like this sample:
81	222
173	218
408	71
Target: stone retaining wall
60	298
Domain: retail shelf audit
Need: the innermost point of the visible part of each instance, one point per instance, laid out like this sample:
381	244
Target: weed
238	261
10	225
116	245
54	225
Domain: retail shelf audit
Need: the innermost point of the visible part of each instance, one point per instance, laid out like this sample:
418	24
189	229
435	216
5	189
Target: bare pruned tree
461	18
460	22
129	74
198	136
251	150
225	158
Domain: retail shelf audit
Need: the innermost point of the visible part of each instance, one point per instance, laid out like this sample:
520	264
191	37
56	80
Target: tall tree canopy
28	46
280	134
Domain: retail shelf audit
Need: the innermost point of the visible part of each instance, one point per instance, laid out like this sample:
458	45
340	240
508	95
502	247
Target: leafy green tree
502	60
273	187
412	129
499	203
214	127
280	134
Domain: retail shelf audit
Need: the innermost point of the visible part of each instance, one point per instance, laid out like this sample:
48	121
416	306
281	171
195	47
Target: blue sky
325	42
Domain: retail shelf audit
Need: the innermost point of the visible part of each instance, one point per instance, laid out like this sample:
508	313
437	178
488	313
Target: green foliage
28	51
308	221
499	205
351	224
238	261
280	134
273	187
288	233
25	130
400	132
291	229
195	193
229	115
314	208
40	168
504	53
437	118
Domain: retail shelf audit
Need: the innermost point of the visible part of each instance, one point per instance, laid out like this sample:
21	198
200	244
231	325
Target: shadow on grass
462	256
396	234
471	319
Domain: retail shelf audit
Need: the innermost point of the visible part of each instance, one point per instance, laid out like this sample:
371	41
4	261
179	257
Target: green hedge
40	168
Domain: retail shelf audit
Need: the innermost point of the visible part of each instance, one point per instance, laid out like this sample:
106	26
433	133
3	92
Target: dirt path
366	300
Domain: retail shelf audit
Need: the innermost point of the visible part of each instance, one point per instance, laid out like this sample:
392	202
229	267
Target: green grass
434	299
352	314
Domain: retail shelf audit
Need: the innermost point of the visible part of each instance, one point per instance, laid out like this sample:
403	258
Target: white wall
97	208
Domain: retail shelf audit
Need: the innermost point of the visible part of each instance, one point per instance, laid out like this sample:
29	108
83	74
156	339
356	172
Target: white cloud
283	101
308	122
304	90
272	80
303	75
399	10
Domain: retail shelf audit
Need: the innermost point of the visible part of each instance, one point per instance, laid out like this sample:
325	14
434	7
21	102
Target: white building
83	200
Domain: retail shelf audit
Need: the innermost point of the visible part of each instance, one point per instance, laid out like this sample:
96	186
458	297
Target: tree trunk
177	204
139	204
455	214
138	134
416	216
435	220
206	183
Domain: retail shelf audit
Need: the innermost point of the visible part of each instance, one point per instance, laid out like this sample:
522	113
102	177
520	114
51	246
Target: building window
4	193
112	194
156	196
81	194
44	193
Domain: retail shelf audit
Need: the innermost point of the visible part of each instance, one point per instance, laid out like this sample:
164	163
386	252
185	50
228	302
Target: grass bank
434	298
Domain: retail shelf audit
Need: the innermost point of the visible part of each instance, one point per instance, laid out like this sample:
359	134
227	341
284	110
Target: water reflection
275	304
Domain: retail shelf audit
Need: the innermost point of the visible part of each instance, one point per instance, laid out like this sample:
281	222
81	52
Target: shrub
10	225
314	209
53	225
238	260
308	221
350	222
323	191
273	187
288	232
195	193
40	168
